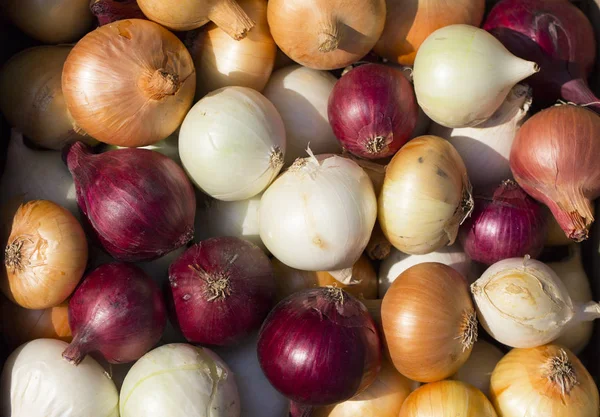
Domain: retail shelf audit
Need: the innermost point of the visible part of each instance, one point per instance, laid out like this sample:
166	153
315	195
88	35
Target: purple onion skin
504	224
319	347
373	111
139	203
117	311
222	289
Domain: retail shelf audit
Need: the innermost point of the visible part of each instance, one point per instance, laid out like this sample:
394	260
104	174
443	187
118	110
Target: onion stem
231	18
588	312
329	37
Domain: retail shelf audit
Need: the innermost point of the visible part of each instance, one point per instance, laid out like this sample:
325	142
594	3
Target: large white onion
232	143
38	382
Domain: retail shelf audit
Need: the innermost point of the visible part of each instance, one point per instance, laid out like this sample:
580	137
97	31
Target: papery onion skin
139	213
313	370
45	256
553	159
109	11
117	311
478	369
373	111
129	83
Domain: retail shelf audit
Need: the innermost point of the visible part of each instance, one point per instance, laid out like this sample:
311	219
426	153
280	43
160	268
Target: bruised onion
139	203
222	289
373	111
118	311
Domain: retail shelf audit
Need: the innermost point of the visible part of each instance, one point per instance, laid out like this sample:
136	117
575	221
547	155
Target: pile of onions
180	380
308	368
137	214
462	75
429	322
50	21
372	111
108	11
319	214
221	61
426	195
37	382
118	311
546	381
505	223
32	99
554	159
477	371
409	23
45	255
522	303
129	83
326	35
222	289
232	143
301	95
485	149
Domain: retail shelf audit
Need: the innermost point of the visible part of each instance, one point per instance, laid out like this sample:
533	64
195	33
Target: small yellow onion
426	195
290	280
547	381
448	399
429	322
45	256
477	371
221	61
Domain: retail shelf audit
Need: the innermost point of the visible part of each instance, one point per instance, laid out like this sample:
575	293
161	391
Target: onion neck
231	18
521	69
329	36
300	410
588	312
578	92
76	351
573	214
160	84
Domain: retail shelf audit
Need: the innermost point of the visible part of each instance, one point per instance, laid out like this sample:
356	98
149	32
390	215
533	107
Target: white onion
478	369
319	214
179	380
301	95
38	382
232	143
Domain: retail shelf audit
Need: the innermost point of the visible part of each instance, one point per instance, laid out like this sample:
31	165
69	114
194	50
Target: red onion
319	347
506	223
139	203
373	111
108	11
554	158
558	37
222	289
117	311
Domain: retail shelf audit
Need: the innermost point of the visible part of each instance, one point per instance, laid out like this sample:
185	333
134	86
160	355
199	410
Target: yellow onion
45	256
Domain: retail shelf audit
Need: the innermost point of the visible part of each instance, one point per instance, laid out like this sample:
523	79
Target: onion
319	214
558	37
232	143
485	149
429	322
553	159
506	223
372	111
409	23
398	262
462	75
426	195
221	61
300	95
137	214
180	380
477	371
545	381
326	35
222	290
37	382
109	11
129	83
50	21
45	255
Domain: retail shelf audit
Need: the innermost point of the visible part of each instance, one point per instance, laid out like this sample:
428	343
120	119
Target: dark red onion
108	11
505	223
139	203
222	289
319	347
118	311
558	37
373	111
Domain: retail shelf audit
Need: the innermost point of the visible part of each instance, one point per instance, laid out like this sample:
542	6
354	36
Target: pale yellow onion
222	61
547	381
478	369
462	74
301	95
426	195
